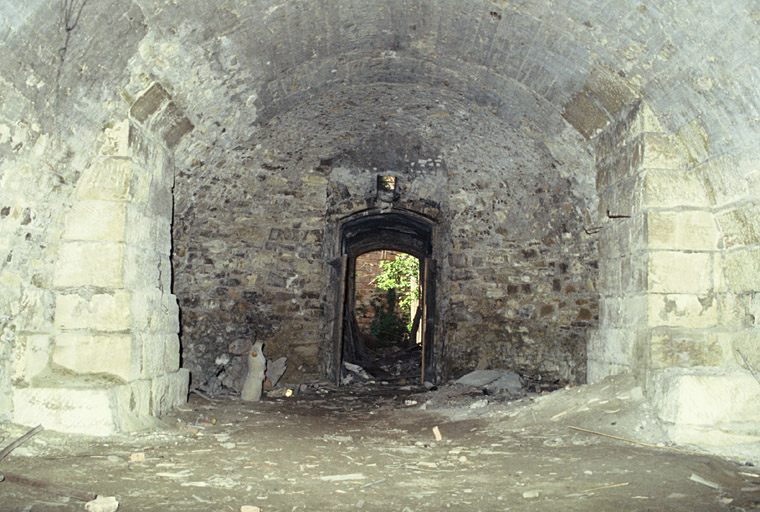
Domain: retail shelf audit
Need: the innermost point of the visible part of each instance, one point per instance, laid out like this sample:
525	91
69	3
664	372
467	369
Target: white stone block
146	231
30	306
98	264
86	406
705	408
612	346
86	353
686	348
155	311
106	179
96	220
116	139
673	188
656	151
145	269
31	355
153	346
172	351
682	310
742	269
726	178
694	230
99	312
131	406
65	409
740	225
680	272
169	391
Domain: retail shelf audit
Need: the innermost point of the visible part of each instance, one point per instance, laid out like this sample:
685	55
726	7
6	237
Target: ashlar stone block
682	310
612	346
97	264
740	225
160	354
86	353
583	114
708	408
674	188
31	355
65	409
99	312
106	179
690	348
742	269
116	139
726	178
693	230
657	151
680	272
168	391
96	220
154	311
746	347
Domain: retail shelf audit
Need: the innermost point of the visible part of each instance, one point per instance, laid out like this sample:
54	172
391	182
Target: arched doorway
372	230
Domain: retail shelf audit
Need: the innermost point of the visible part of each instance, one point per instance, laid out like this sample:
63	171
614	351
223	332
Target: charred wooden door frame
398	230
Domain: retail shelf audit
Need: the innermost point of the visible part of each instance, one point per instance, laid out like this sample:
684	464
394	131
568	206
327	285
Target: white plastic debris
342	478
102	504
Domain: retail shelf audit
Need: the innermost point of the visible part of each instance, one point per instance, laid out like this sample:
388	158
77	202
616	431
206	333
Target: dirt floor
375	448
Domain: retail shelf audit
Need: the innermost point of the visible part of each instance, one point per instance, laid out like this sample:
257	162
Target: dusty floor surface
366	448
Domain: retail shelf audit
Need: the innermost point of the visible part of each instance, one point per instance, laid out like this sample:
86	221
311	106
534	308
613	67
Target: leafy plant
388	325
400	280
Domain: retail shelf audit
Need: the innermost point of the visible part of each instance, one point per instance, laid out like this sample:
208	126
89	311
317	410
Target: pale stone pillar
679	278
114	361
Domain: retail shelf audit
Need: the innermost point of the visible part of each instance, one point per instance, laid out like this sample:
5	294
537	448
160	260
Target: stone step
98	406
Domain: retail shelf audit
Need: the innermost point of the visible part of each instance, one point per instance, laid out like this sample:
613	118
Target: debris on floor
365	446
102	504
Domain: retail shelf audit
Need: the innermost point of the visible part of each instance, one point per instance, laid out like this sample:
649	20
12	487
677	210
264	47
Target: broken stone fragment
274	372
478	378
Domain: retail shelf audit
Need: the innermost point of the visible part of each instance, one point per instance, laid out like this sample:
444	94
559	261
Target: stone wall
254	240
37	171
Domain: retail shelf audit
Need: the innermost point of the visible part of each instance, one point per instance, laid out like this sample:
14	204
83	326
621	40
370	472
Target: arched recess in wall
397	230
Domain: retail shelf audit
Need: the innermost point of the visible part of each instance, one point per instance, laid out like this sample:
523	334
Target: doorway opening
386	299
384	315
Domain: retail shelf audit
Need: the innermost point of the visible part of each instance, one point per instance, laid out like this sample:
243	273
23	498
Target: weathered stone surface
707	408
684	349
680	272
154	311
96	408
86	353
742	268
672	188
168	391
584	115
97	312
82	410
611	351
98	264
683	310
740	225
96	221
106	179
683	230
31	356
